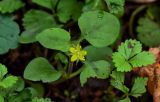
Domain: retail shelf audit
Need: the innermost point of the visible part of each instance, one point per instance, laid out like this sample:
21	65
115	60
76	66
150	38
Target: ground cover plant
79	51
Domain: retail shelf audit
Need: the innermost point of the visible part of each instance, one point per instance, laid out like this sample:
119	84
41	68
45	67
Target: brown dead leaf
153	74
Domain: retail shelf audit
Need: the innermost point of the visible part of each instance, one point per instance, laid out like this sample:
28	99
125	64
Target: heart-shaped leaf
39	69
55	38
99	27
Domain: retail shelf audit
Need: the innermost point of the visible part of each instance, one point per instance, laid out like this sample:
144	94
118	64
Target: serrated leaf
55	38
119	85
121	63
34	22
116	6
9	6
130	48
9	34
3	71
103	53
99	28
19	86
139	87
39	69
118	81
127	99
22	96
50	4
118	76
129	55
148	32
8	82
142	59
99	69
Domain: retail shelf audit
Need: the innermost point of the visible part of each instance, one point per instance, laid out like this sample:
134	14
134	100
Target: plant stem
125	95
45	52
76	73
131	21
65	78
70	68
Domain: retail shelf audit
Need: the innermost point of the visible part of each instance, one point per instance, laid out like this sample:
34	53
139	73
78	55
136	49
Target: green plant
9	34
12	89
5	6
73	38
130	55
137	89
59	39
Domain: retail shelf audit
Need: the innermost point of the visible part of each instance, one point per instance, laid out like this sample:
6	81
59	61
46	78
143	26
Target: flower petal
72	50
81	58
83	52
74	58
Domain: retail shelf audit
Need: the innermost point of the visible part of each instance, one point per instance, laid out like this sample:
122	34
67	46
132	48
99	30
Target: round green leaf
40	69
55	38
9	6
9	34
99	27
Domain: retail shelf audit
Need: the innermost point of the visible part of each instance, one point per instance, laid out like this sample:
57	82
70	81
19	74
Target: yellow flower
77	53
